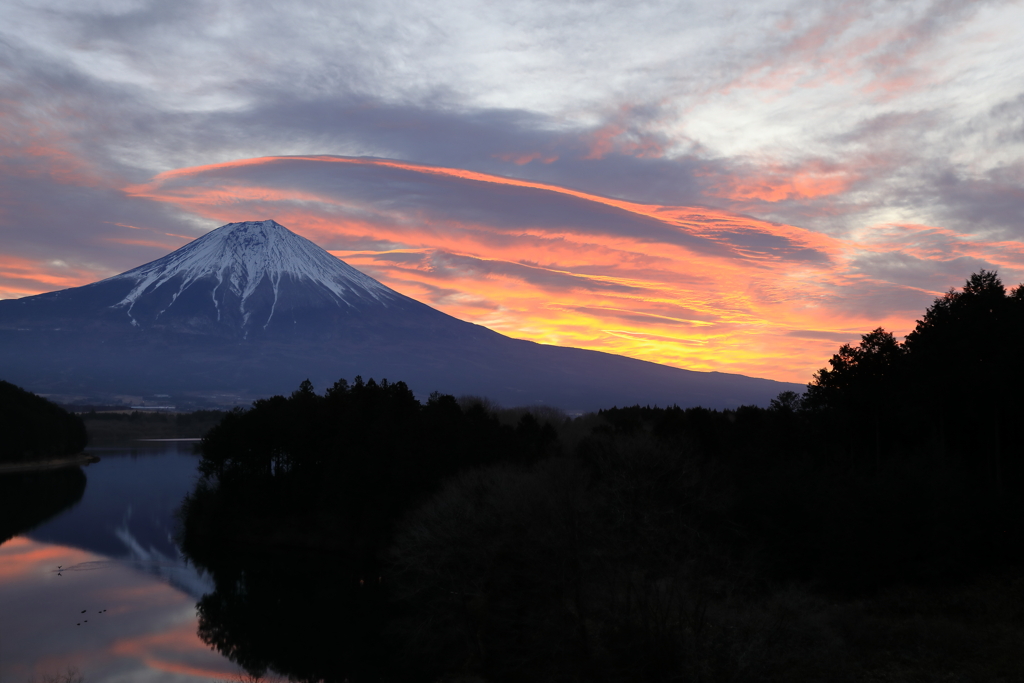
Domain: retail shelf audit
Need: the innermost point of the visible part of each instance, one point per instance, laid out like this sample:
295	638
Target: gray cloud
162	86
45	219
693	318
840	337
445	265
367	190
913	108
904	269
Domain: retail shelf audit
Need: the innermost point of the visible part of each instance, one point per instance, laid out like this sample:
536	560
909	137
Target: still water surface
120	565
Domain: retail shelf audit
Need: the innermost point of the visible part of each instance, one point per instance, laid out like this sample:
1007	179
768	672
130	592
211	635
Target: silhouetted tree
968	365
860	375
968	344
947	401
862	390
786	402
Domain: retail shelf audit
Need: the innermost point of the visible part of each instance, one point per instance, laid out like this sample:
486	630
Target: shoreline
80	460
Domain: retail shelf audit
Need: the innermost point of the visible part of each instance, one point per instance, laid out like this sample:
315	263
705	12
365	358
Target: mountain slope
252	308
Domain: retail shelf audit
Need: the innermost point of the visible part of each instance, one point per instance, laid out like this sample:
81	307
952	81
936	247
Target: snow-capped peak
238	257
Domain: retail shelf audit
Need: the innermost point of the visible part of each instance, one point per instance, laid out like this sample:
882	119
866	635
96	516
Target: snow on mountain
236	259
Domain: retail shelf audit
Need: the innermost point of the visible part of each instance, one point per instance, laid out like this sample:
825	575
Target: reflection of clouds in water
175	570
147	633
115	553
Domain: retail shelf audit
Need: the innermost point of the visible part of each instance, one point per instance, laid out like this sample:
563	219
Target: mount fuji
251	309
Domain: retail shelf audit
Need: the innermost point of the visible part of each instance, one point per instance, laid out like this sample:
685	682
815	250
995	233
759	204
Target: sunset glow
692	287
740	189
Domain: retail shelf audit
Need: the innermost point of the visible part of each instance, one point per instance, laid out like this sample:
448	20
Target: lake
101	586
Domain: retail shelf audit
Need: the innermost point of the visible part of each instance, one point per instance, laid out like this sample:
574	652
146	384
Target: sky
730	186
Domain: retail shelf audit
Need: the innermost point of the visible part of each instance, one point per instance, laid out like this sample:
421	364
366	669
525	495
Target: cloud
568	267
569	173
839	337
58	233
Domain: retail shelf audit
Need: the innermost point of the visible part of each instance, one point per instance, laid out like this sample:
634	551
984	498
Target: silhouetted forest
33	428
325	479
871	529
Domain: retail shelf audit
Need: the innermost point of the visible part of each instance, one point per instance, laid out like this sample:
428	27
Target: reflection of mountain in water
27	499
127	512
172	568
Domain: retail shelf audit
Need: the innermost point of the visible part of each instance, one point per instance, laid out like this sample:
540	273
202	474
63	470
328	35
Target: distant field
107	427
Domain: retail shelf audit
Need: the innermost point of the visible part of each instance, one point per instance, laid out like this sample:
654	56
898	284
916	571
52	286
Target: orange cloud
706	289
940	244
522	159
29	148
692	287
883	62
775	183
62	165
603	141
615	137
24	277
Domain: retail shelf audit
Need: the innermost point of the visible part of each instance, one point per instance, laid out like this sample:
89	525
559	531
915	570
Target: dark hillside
32	428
